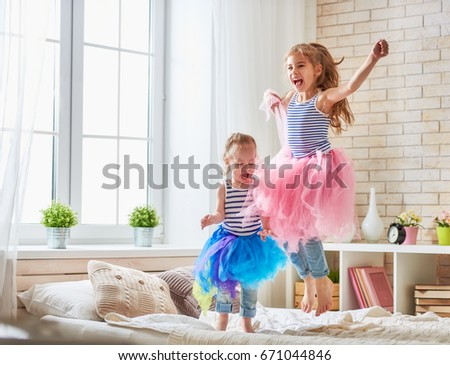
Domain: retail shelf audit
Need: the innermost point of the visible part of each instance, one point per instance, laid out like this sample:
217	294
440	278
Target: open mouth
247	171
297	82
246	175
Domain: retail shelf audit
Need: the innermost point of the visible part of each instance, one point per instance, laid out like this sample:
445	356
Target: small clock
396	233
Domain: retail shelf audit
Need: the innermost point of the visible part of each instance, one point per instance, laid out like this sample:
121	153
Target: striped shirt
307	128
235	200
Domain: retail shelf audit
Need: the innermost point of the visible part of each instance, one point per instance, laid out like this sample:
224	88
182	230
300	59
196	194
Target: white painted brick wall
400	143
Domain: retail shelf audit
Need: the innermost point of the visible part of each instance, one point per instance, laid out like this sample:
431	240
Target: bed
90	309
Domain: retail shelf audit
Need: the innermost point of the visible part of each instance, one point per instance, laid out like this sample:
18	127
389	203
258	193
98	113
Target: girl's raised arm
331	96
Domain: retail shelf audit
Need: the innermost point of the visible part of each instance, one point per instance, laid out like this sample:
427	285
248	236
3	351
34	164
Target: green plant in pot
334	276
443	227
144	219
58	218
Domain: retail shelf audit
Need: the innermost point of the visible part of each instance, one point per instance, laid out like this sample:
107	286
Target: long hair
233	144
329	77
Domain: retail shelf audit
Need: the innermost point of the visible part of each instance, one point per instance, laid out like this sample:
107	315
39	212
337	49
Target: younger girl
309	196
235	253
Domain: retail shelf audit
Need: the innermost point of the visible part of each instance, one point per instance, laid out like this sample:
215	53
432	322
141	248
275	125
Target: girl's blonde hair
329	77
232	146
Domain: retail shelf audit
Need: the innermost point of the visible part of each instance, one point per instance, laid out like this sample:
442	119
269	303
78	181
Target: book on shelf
351	274
362	302
379	282
362	287
432	301
433	291
372	285
366	289
371	290
432	298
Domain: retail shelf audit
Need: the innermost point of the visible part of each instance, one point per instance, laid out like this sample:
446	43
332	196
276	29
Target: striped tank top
307	128
235	200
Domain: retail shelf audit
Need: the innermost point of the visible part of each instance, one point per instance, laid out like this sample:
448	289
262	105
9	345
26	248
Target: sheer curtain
23	27
221	55
250	39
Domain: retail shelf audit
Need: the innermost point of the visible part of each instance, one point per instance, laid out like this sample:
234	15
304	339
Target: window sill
98	251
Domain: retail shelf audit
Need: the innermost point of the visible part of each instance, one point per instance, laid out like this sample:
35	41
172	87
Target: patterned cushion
180	281
128	291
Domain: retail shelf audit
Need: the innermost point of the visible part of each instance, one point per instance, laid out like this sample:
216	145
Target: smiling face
302	73
241	161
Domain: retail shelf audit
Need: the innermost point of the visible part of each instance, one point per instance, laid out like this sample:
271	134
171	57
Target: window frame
67	180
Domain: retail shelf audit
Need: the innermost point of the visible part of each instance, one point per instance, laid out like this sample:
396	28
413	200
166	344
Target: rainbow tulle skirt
228	261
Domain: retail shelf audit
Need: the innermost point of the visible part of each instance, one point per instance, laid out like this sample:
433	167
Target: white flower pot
57	237
143	236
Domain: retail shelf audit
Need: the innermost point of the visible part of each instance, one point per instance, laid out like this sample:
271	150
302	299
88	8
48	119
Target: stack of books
371	286
432	298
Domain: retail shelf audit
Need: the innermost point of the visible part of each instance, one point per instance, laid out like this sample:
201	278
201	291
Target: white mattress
81	331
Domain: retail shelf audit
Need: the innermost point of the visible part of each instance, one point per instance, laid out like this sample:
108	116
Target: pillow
70	299
129	292
180	281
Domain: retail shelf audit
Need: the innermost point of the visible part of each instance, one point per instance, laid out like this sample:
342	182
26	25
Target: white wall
401	139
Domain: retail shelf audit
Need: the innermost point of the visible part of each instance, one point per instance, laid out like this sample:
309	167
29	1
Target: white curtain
221	55
250	40
23	27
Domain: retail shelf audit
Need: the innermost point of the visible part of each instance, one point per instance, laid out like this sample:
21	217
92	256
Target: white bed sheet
277	326
358	327
272	326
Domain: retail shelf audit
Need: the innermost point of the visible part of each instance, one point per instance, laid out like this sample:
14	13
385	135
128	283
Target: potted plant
411	222
58	218
143	219
443	227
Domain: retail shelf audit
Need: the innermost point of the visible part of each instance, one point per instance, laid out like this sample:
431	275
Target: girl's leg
223	308
300	261
315	257
248	308
319	271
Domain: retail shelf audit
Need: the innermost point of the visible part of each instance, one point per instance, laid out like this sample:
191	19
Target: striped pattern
307	128
235	201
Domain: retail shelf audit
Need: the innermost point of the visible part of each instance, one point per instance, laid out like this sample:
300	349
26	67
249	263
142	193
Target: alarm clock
396	233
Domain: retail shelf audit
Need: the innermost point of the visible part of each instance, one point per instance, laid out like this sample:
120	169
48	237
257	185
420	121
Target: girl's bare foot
309	296
247	324
324	287
222	322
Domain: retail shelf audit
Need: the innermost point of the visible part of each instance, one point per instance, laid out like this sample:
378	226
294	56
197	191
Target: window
99	117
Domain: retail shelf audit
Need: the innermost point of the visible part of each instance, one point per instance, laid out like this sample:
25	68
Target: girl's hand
271	99
206	221
266	232
380	49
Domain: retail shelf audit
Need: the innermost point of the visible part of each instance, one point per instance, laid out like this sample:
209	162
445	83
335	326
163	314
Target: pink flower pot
411	235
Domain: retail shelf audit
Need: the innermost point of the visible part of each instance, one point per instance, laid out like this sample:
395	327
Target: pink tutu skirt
311	197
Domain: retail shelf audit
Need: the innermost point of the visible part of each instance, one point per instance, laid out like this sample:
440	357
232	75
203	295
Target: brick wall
400	143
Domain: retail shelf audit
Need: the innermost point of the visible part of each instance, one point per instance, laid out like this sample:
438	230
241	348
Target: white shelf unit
412	264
